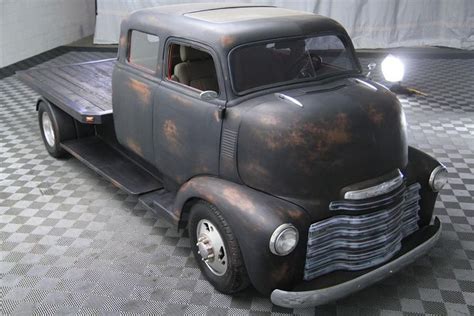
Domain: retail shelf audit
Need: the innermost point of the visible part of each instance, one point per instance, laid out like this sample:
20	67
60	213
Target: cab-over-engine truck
255	127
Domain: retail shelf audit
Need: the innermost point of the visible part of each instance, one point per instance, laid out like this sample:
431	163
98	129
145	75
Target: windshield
293	60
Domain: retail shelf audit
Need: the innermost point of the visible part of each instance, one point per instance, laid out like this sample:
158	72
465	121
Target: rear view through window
272	63
144	50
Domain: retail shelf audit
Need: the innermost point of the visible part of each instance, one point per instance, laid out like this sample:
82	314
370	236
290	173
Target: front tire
216	249
55	126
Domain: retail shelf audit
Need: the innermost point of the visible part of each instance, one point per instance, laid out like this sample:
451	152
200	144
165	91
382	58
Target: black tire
62	125
235	278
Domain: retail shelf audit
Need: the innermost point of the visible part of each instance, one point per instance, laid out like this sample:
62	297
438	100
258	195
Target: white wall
30	27
370	23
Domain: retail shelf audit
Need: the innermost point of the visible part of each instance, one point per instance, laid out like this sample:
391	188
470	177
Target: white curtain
370	23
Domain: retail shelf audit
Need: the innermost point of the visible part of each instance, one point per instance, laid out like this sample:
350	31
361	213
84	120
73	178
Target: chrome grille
355	242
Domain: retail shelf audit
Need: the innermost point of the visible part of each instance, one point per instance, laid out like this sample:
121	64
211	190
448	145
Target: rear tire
55	126
228	277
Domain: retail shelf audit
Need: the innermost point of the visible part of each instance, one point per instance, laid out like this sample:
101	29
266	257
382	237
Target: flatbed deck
82	90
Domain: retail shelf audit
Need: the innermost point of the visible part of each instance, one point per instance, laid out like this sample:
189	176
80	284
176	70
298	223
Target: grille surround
355	242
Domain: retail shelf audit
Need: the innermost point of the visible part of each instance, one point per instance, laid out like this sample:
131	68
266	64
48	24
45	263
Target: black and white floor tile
72	243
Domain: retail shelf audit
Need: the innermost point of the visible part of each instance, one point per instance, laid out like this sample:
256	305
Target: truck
255	128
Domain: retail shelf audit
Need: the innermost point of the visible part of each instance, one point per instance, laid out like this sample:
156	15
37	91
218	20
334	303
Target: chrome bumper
322	296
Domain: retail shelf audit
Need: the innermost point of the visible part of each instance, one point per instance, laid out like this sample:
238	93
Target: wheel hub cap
48	129
211	247
205	248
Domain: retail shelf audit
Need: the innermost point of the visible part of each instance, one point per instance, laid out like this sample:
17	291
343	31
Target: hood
339	134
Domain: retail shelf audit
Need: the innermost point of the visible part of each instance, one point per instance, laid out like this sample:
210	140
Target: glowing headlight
284	240
393	69
438	178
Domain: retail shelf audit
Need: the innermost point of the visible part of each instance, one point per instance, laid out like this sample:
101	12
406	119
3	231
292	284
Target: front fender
253	216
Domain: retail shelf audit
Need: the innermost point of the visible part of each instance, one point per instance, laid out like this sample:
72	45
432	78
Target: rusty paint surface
258	170
289	161
375	116
141	89
227	40
170	131
341	136
216	115
133	145
237	199
181	100
123	40
253	217
269	119
316	138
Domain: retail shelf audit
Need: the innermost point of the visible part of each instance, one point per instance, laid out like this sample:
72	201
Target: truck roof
229	24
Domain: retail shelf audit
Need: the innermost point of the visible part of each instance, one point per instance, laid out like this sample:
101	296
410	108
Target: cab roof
228	24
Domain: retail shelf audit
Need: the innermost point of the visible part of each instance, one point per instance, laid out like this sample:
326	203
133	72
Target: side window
144	50
192	67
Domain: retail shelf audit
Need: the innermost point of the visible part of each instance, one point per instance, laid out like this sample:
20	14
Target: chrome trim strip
376	190
363	205
291	299
288	99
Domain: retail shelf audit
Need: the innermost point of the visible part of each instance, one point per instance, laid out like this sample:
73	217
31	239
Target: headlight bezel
277	234
439	170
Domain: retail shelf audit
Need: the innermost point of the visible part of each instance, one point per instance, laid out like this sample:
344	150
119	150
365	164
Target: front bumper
293	299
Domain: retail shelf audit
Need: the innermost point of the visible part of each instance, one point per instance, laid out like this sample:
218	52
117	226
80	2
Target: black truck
255	127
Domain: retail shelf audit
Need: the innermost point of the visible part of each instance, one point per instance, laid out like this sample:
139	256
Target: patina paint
141	90
261	161
253	217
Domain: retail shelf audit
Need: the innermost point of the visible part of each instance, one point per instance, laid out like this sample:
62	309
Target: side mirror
208	95
371	67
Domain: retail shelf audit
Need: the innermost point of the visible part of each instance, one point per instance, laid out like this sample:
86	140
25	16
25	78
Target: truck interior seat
196	69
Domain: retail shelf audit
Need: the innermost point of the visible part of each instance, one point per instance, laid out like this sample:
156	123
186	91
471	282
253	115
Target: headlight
438	178
284	240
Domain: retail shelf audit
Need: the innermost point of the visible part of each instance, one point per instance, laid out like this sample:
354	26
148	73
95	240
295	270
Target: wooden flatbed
82	90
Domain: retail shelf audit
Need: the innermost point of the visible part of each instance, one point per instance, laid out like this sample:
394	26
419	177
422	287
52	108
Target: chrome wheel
211	247
48	129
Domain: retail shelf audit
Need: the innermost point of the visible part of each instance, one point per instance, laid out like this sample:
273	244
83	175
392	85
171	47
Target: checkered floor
73	243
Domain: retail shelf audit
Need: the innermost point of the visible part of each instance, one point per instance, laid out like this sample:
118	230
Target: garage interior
73	243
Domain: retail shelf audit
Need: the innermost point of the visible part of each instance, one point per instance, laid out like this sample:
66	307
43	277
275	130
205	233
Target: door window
192	67
144	50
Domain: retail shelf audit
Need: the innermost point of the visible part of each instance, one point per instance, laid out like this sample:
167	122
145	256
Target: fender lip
293	299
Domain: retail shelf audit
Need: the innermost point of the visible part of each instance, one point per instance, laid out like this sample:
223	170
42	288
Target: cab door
133	88
187	128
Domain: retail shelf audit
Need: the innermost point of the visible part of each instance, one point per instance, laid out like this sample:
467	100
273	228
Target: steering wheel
304	66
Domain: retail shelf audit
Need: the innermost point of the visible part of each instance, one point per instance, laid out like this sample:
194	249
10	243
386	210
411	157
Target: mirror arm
371	67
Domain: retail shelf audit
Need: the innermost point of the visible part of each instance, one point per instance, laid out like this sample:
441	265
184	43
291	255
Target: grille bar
361	205
355	242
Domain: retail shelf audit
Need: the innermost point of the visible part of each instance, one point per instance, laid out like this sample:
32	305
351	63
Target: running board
161	203
112	165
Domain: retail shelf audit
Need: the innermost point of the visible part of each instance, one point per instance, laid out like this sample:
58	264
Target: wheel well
82	130
38	103
183	220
